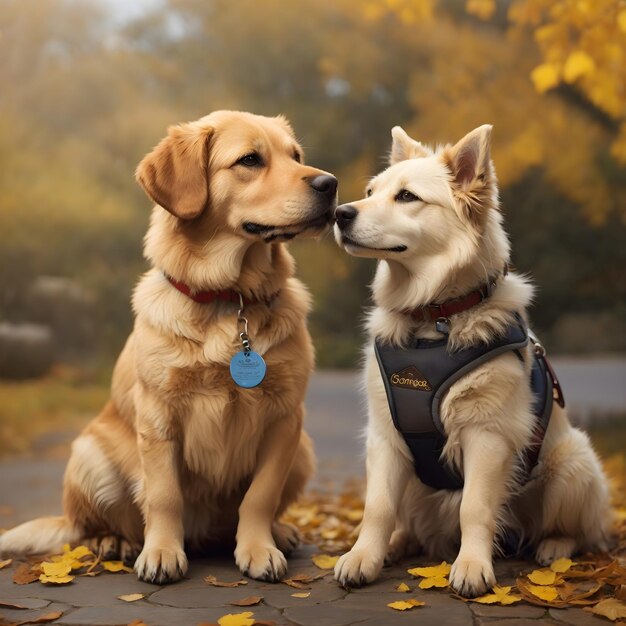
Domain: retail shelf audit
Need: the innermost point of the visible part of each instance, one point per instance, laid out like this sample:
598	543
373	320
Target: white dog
432	219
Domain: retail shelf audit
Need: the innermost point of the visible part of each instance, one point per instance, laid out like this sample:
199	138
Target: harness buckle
442	325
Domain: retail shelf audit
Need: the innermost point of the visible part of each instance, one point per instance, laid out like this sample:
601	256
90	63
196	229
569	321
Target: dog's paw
261	562
357	568
551	549
161	565
472	578
286	537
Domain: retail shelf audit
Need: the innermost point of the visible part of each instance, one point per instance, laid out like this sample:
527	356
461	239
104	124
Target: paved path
31	487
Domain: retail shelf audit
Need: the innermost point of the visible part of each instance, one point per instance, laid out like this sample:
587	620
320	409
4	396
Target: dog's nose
325	183
344	215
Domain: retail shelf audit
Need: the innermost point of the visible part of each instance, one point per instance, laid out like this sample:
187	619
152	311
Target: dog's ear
470	158
403	147
175	173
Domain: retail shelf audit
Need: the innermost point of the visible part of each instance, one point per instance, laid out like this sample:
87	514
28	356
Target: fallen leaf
435	571
560	566
611	608
301	594
544	592
220	583
237	619
403	587
250	601
56	580
131	597
542	577
25	574
5	563
500	595
300	581
116	566
405	605
56	569
433	581
324	561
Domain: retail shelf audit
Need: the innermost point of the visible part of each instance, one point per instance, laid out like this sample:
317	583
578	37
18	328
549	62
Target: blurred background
89	86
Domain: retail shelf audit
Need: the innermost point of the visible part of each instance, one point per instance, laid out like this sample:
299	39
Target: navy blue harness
417	377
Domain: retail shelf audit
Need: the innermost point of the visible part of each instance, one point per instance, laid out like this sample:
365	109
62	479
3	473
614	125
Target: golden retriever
181	456
432	220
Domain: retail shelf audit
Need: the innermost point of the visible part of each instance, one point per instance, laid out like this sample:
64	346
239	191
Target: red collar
224	295
433	312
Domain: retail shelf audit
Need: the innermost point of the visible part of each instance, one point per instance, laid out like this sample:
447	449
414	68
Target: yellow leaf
405	605
116	566
433	581
61	568
611	608
621	20
545	76
301	594
237	619
543	592
542	577
325	561
578	64
482	9
500	595
443	569
78	553
403	587
131	597
5	563
57	580
561	565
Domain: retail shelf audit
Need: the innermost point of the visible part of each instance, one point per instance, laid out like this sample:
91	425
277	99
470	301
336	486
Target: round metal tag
247	369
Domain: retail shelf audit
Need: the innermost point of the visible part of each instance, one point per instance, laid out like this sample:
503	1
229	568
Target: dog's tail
39	536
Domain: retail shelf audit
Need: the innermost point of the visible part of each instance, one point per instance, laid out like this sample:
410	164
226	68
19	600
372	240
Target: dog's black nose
344	215
325	183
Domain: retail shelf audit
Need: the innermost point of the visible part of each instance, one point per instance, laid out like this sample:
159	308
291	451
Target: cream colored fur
181	457
455	242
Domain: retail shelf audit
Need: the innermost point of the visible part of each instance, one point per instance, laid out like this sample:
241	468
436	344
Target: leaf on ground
500	595
611	608
301	581
405	605
301	594
211	580
60	568
560	566
435	571
5	563
324	561
403	587
131	597
543	592
435	581
25	574
542	577
237	619
56	580
249	601
580	592
116	566
620	592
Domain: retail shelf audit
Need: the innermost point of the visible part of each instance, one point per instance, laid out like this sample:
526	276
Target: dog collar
223	295
440	313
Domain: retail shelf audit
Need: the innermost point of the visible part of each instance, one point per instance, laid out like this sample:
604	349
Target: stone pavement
192	601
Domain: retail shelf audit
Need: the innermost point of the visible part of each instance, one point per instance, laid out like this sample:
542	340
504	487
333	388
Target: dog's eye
404	195
297	157
250	160
368	192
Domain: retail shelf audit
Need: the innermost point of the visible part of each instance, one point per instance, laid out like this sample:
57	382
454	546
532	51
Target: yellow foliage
578	64
543	592
561	565
325	561
611	608
500	595
116	566
403	587
542	577
434	581
482	9
434	571
545	76
60	568
237	619
405	605
57	580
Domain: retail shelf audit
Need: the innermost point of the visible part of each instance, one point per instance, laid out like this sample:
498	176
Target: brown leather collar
434	312
223	295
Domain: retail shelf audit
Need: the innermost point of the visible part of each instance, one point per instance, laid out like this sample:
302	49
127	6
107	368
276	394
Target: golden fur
452	230
181	457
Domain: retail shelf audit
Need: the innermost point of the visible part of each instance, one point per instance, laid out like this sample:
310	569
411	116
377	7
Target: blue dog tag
247	368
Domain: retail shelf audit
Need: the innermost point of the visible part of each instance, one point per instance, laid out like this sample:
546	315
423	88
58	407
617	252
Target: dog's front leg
256	553
162	559
388	471
487	462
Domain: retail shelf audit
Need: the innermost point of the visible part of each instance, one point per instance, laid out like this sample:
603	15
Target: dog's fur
454	243
182	456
